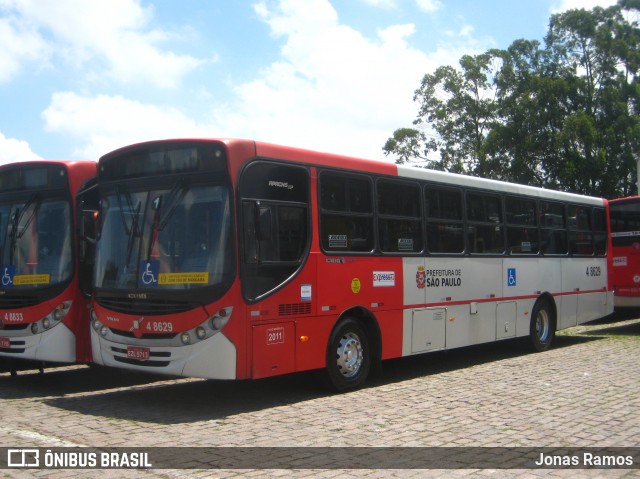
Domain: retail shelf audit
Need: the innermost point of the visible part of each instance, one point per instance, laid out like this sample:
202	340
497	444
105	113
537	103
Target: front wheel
543	328
348	356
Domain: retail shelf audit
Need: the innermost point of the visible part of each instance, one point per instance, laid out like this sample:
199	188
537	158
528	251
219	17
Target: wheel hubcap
542	326
349	355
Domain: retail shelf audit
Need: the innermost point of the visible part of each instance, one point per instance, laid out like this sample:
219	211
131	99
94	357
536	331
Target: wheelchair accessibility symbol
511	277
148	274
8	273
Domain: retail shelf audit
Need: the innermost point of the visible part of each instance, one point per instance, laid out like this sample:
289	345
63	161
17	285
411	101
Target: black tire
542	330
348	356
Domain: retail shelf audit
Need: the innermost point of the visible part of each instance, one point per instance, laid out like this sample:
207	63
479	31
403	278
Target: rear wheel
348	356
543	327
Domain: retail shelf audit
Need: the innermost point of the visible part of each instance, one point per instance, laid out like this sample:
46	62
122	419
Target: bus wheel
348	356
542	329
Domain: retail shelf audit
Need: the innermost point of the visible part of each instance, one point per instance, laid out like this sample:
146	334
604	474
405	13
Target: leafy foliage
564	116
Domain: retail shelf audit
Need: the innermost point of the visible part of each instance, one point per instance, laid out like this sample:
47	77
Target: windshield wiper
121	192
18	229
132	231
173	201
163	210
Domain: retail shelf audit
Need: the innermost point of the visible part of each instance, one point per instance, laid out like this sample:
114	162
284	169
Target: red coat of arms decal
421	277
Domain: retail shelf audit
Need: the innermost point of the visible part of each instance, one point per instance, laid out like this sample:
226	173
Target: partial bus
625	239
234	259
46	268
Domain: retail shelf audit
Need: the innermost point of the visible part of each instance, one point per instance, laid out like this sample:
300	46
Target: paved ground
583	393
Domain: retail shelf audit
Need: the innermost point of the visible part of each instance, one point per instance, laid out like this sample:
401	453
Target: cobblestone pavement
585	392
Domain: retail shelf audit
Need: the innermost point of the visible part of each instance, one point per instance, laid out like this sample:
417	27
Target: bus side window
580	233
444	220
275	225
484	227
522	226
553	234
346	219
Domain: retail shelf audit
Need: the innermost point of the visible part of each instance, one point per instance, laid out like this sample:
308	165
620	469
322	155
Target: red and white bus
625	239
46	271
236	259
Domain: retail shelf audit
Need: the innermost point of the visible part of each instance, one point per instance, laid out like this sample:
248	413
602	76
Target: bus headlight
218	322
59	313
205	330
201	333
104	331
51	319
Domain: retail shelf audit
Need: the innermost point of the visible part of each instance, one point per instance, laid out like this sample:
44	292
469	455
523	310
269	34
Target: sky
81	78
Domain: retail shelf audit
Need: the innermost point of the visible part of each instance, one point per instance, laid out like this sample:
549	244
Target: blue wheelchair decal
511	277
8	272
148	274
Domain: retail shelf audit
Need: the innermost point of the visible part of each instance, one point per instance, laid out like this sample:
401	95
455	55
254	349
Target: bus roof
331	160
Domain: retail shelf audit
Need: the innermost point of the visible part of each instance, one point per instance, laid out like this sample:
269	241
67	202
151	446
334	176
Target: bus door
275	225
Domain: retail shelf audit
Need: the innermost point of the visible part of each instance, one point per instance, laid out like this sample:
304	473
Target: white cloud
12	150
381	3
333	88
103	123
429	6
19	44
564	5
115	33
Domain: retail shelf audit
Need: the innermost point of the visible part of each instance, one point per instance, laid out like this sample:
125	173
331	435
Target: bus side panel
525	279
373	284
584	288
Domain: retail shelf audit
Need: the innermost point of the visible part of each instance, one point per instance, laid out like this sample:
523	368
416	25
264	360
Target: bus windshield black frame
166	224
37	253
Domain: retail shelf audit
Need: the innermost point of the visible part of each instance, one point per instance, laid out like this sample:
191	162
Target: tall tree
565	116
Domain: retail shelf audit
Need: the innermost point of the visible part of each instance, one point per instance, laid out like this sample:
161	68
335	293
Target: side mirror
88	228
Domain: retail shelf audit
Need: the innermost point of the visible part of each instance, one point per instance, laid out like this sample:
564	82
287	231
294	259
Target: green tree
562	116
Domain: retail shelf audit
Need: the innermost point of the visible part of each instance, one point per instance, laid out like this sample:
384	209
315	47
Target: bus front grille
144	307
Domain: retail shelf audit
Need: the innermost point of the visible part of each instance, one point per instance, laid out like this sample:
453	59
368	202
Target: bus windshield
36	243
174	238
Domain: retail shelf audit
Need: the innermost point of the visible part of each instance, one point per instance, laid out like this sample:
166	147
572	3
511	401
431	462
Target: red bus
46	271
233	259
625	239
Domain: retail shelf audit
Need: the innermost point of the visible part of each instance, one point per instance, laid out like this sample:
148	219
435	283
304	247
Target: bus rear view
44	285
625	240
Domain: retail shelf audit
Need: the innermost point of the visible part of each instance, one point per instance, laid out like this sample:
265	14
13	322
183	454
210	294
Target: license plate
5	343
139	353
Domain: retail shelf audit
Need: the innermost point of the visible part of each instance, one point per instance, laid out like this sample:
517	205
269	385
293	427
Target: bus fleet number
594	271
160	326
